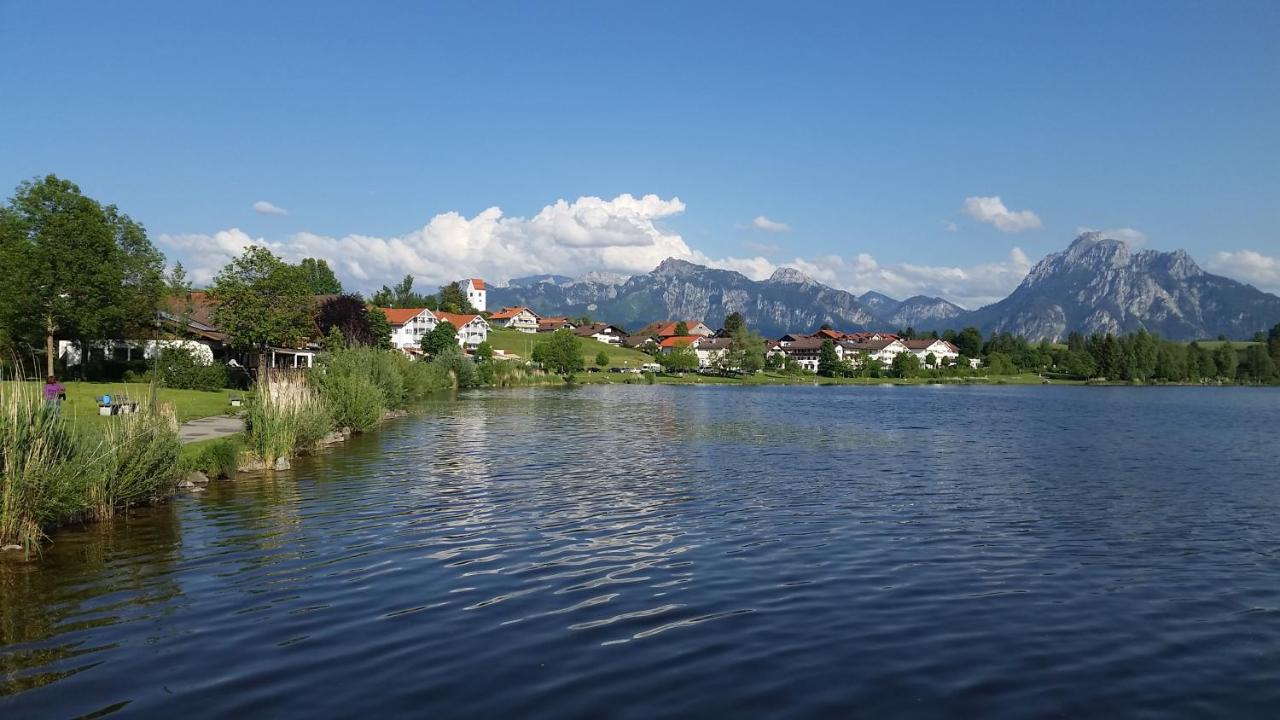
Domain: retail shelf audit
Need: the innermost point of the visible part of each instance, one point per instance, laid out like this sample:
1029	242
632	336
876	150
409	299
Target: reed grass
285	417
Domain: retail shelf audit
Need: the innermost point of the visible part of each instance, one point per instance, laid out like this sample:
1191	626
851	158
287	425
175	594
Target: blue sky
387	132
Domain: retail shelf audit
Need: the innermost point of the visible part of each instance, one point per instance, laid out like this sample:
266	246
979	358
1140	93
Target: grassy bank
520	343
81	405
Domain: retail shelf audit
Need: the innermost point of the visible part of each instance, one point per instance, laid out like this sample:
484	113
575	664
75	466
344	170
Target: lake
647	551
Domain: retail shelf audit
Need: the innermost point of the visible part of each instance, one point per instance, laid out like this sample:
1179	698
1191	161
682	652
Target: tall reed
285	416
40	476
136	460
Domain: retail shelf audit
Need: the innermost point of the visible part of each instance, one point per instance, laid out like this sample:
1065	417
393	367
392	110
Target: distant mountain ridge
1095	285
1099	285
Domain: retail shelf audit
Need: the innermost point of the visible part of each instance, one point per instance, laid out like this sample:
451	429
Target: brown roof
454	319
510	312
678	341
868	345
477	283
804	343
400	316
593	328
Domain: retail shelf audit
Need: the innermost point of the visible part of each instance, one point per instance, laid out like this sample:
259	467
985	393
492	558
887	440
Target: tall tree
379	327
828	360
560	354
733	323
452	299
262	301
746	354
970	342
682	328
320	277
349	314
402	296
1226	360
73	268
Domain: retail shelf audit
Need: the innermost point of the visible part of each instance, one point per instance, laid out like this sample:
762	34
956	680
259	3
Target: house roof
477	283
594	328
678	341
832	334
715	343
868	345
927	343
400	316
454	319
507	313
804	343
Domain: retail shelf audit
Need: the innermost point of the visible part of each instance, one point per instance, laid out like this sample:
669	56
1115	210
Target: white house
516	318
601	332
944	353
472	329
710	350
804	350
474	288
884	349
408	325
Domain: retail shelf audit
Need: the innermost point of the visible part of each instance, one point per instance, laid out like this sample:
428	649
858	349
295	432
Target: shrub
353	401
216	458
380	367
178	367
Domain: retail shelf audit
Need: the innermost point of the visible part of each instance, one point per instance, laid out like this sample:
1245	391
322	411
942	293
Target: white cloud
262	207
1259	270
568	238
970	286
1130	236
991	210
951	227
763	223
622	235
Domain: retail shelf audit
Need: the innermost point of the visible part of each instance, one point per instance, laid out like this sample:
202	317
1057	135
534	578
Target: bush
178	367
216	458
380	367
353	401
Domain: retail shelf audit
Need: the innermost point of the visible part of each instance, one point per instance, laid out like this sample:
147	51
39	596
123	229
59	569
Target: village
664	338
701	347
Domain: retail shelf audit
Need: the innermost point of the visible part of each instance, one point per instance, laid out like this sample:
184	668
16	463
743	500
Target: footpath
210	428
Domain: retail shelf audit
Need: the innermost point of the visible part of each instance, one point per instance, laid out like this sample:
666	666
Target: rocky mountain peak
674	267
788	275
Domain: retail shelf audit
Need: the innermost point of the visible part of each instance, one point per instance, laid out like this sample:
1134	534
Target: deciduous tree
320	277
262	301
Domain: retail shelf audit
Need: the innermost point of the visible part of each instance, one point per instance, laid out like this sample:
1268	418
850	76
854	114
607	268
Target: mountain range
1095	285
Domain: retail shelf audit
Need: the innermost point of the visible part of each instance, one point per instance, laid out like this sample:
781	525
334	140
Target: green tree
682	328
560	354
402	296
999	364
379	327
442	338
484	351
681	358
930	360
334	339
970	342
602	359
828	360
746	353
1226	360
1258	360
320	277
262	301
74	269
733	323
451	298
905	365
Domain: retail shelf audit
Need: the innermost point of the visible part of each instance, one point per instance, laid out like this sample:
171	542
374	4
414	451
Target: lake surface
658	551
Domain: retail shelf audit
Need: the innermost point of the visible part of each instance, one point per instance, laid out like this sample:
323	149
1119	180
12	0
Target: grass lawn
514	341
82	404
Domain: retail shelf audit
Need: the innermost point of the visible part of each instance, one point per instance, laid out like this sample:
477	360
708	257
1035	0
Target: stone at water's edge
198	478
251	465
283	464
10	548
